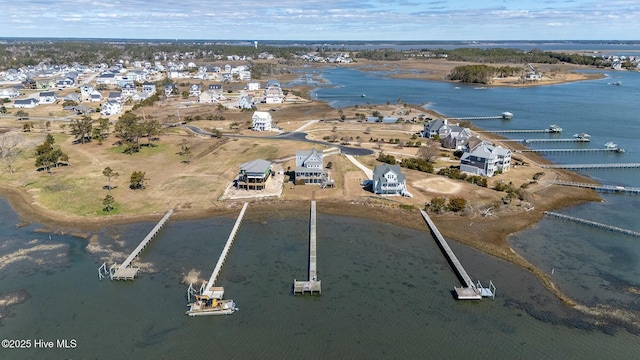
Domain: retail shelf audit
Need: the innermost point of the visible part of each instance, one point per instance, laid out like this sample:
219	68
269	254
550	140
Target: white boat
205	305
610	145
582	136
553	128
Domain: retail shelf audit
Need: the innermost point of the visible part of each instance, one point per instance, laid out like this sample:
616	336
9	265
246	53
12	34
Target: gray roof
257	166
380	170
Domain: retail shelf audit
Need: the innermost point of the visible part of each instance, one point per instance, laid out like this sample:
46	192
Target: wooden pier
594	224
313	284
524	131
504	116
528	141
600	188
123	271
470	291
570	150
591	166
209	289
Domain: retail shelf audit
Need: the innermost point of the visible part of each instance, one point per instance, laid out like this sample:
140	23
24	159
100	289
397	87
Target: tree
150	129
22	114
109	173
27	127
457	204
48	155
108	203
129	130
437	204
103	127
137	180
329	165
10	149
82	129
428	152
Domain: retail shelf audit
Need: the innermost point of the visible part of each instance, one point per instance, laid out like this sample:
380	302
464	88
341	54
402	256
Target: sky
324	19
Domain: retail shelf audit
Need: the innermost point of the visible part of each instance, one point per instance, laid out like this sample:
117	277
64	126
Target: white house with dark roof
48	97
436	127
111	107
195	90
261	121
310	168
482	158
389	180
254	175
25	103
9	93
95	96
149	87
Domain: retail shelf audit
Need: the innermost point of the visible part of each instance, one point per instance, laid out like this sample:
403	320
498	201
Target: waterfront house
456	138
254	175
309	168
485	159
261	121
436	128
273	93
389	180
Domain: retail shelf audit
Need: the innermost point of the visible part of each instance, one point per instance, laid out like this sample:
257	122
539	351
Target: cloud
329	19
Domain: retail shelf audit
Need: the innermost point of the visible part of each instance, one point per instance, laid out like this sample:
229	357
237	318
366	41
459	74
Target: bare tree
428	152
10	149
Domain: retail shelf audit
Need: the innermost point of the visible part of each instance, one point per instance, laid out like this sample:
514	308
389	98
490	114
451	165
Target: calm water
386	289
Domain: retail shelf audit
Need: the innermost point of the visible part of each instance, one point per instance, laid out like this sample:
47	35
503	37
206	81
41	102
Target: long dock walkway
593	223
524	131
601	188
615	149
123	271
470	291
209	290
528	141
313	284
591	166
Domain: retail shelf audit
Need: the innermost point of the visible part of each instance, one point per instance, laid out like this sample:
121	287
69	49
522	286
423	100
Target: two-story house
482	158
309	167
389	180
48	97
254	175
262	121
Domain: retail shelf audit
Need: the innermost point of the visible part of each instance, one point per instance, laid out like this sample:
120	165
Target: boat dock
601	188
591	166
470	291
570	150
528	141
123	271
313	284
594	224
504	116
209	290
532	131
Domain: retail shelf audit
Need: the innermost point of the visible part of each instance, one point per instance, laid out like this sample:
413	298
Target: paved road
296	136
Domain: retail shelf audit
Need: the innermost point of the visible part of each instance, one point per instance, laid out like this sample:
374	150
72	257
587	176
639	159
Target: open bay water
386	289
386	294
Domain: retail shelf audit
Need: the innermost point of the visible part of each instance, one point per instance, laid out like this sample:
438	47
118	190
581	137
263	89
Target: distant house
64	82
149	87
245	102
95	96
253	86
106	78
128	89
195	90
9	93
254	175
273	93
482	158
48	97
389	180
168	89
310	168
457	137
436	128
261	121
111	108
73	97
86	90
115	96
25	103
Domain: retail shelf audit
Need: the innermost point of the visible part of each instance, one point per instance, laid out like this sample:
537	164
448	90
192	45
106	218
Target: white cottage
261	121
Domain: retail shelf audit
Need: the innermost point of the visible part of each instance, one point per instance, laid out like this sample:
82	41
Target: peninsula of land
193	172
